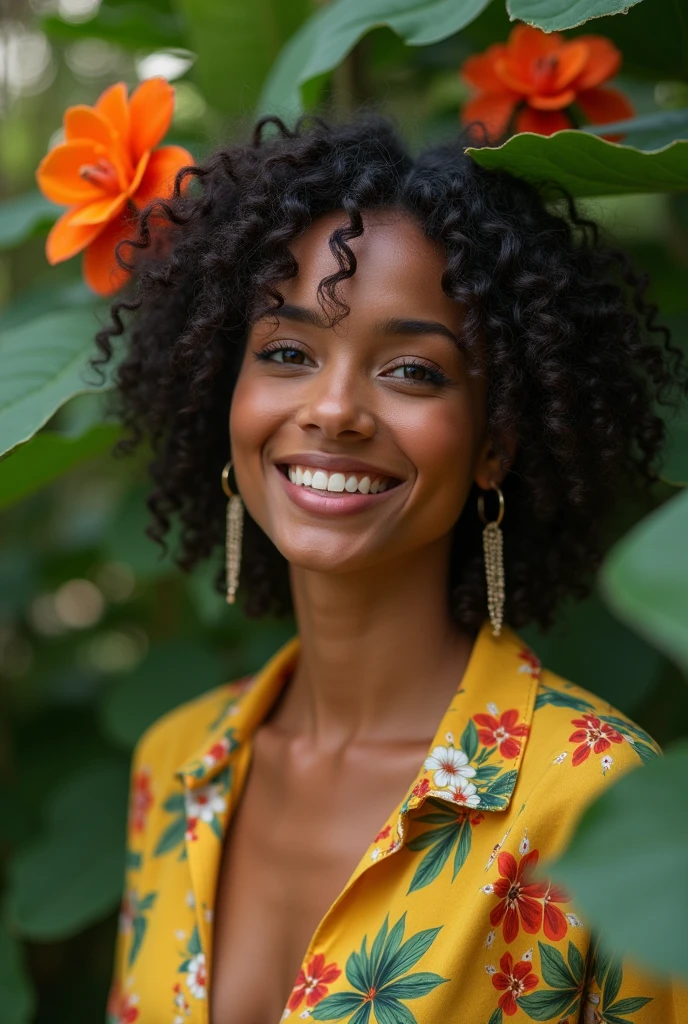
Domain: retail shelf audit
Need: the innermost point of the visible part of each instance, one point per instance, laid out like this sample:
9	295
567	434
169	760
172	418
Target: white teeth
336	482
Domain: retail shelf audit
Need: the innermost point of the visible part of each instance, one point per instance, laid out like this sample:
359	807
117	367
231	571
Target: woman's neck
380	657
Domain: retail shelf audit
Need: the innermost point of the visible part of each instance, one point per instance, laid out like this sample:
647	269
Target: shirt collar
478	747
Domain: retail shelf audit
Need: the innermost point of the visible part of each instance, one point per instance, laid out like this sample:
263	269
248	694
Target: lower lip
331	503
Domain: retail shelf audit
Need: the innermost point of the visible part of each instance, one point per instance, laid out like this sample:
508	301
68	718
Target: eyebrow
393	325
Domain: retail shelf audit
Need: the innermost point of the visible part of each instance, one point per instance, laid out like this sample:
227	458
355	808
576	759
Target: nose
337	404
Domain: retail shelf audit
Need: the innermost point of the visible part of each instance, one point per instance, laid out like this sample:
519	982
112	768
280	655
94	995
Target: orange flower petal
66	239
556	102
572	58
494	111
84	122
604	60
101	270
58	173
158	181
479	70
150	110
99	212
139	173
602	105
542	122
526	44
114	107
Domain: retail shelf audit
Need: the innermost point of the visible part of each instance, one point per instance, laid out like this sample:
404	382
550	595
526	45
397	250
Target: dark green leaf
576	963
469	740
463	847
432	863
378	946
645	578
338	1005
328	36
172	836
24	216
503	785
651	925
194	947
391	946
356	973
548	1006
432	837
415	985
552	15
612	984
138	933
630	1005
588	166
554	969
44	364
390	1011
47	456
82	846
362	1015
410	953
496	1017
18	1002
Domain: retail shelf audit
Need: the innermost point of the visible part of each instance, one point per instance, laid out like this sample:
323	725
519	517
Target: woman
376	356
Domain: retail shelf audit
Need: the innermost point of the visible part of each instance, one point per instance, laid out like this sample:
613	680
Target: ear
492	466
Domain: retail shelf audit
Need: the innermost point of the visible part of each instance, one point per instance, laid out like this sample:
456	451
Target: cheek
256	413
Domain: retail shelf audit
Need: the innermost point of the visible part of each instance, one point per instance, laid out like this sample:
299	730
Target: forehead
398	267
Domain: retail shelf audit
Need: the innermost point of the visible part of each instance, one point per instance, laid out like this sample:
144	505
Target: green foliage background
98	634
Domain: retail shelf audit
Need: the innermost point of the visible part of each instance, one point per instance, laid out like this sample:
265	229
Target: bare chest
295	839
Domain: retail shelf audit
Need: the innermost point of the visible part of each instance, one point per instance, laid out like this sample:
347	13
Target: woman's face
380	403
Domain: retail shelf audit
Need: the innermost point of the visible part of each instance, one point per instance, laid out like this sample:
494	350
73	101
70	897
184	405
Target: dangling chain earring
494	562
235	529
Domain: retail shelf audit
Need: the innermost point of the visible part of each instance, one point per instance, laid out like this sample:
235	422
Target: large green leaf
172	673
589	166
645	578
72	875
237	43
24	216
44	363
47	456
562	14
327	37
17	998
633	839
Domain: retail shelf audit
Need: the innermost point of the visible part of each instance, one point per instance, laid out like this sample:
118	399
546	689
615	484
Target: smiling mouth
320	481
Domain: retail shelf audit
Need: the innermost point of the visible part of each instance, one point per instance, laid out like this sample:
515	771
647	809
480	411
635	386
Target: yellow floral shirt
443	923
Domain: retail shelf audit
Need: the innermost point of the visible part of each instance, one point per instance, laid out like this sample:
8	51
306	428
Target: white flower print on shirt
448	764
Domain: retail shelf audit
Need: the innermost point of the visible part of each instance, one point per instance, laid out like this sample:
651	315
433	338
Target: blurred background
98	634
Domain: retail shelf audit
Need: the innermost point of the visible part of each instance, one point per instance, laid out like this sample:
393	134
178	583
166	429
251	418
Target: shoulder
174	738
578	745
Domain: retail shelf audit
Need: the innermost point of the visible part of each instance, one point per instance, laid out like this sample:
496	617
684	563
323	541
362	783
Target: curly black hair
554	315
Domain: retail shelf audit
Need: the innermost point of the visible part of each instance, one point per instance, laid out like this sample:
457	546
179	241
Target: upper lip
334	464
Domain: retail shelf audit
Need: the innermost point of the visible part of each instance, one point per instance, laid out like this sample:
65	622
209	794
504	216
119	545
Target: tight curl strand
556	318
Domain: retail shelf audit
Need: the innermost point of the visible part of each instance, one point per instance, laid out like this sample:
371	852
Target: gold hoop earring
493	549
235	529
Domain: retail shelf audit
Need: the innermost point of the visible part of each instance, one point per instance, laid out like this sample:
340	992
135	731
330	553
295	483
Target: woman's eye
289	355
417	372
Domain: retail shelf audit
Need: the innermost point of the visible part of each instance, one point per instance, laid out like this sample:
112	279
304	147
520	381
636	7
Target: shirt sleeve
619	992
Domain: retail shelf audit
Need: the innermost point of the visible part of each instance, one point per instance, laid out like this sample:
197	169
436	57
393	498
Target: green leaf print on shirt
565	981
173	835
602	997
381	979
452	834
138	909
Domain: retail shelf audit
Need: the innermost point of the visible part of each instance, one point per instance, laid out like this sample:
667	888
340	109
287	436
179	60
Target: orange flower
105	171
540	74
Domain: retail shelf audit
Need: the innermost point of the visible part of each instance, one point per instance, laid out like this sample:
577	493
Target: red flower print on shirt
592	735
518	898
421	788
121	1008
532	663
312	983
502	731
514	980
555	923
141	799
383	833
